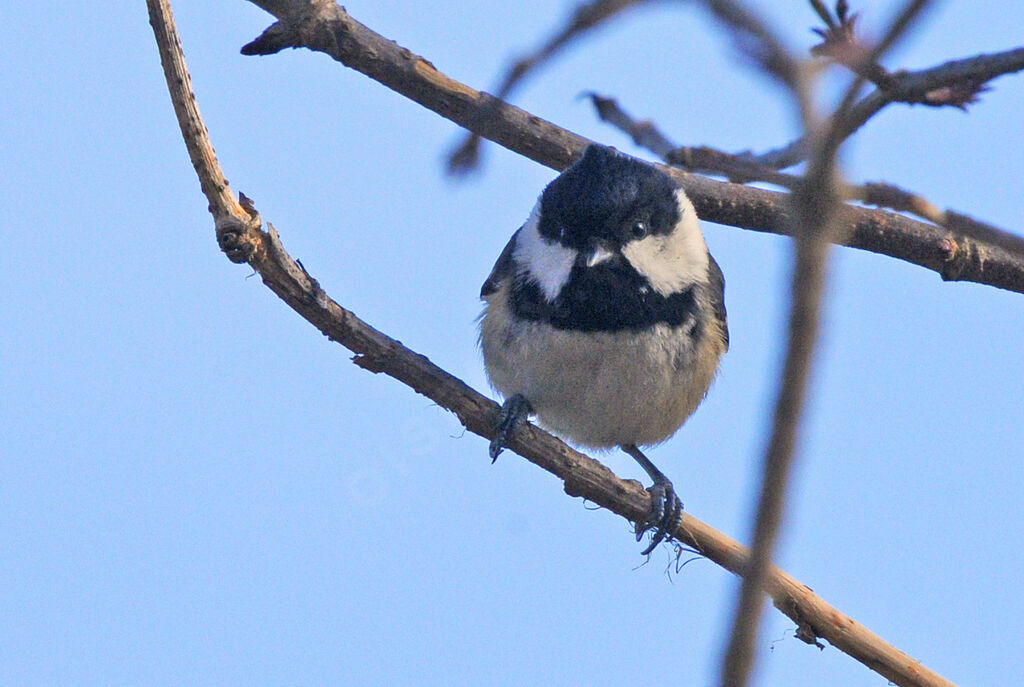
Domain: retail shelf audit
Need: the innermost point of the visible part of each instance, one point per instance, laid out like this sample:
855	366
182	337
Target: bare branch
955	258
840	44
585	18
819	8
324	26
892	196
835	132
240	230
197	139
742	169
755	39
806	295
321	25
956	83
644	133
816	203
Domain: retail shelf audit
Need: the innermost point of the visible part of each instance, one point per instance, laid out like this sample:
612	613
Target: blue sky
198	488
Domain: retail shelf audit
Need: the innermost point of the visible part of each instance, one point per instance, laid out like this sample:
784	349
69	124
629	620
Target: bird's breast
599	388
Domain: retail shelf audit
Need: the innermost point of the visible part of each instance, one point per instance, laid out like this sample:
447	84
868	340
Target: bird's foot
515	409
665	516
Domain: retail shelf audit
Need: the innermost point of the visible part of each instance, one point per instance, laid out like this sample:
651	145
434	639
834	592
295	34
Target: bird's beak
597	252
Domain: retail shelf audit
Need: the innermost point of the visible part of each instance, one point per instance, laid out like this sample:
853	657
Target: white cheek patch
547	263
675	261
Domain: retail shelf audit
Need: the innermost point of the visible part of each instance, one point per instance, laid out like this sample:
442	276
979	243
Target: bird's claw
513	412
497	446
665	516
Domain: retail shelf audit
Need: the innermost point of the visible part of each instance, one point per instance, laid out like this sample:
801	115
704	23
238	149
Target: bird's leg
515	409
666	508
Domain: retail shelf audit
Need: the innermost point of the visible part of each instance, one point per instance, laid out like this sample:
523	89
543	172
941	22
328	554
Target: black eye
638	229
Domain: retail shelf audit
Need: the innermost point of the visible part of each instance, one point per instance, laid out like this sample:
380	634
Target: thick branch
322	25
238	231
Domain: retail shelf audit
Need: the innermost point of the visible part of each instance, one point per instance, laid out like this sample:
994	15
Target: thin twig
644	133
582	476
756	40
840	44
952	84
835	133
586	17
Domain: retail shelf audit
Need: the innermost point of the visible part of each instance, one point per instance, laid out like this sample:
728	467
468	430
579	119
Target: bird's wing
717	287
502	269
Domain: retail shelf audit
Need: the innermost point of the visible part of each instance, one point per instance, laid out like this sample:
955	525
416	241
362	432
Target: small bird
605	317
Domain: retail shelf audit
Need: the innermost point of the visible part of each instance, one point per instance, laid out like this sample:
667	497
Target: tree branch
241	234
197	139
840	43
754	39
323	26
584	18
955	83
742	169
815	201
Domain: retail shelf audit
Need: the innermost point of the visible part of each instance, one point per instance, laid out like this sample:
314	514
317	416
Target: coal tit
605	316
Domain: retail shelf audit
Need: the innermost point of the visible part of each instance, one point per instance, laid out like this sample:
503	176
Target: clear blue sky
198	488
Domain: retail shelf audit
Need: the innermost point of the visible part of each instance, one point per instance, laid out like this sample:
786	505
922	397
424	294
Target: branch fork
322	25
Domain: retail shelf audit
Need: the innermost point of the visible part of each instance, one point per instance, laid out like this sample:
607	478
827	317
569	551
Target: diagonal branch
324	26
585	18
755	39
742	169
197	140
241	234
